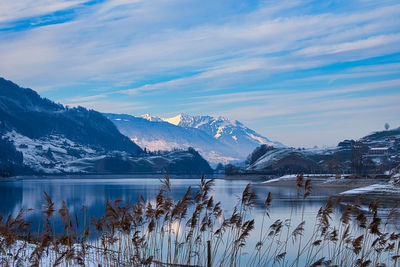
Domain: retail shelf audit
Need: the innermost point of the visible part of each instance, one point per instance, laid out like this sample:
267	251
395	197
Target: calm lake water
27	194
93	192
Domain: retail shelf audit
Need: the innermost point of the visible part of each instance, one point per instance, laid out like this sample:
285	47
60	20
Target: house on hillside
378	151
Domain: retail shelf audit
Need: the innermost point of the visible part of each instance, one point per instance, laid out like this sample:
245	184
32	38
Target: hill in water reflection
142	221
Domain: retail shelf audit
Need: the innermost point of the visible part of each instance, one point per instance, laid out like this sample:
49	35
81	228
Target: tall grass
194	231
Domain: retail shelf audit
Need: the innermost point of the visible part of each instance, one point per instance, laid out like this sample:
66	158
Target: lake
27	194
287	203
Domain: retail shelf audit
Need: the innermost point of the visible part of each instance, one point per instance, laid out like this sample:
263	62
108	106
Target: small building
358	145
379	151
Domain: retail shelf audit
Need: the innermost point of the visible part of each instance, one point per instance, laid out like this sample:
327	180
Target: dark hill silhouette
24	111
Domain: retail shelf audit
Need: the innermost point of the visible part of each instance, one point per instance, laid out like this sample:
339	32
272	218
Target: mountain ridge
218	139
23	110
39	136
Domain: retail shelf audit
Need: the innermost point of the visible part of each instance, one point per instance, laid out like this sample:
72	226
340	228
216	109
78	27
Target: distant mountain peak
150	118
220	127
174	120
186	120
181	119
217	138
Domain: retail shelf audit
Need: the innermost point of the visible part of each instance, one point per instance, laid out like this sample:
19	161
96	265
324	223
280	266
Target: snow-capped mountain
217	139
231	133
150	118
155	134
40	136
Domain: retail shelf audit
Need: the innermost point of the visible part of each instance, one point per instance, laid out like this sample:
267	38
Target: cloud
274	96
329	128
93	46
357	72
16	10
272	59
350	46
85	98
109	106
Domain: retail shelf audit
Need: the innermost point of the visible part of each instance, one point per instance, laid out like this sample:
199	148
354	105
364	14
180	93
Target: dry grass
169	232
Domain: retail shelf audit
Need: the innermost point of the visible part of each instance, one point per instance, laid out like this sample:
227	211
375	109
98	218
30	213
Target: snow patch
174	120
258	139
219	132
149	117
379	188
294	176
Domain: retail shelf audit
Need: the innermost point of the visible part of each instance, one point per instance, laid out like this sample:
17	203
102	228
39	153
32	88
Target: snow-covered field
53	153
375	188
23	254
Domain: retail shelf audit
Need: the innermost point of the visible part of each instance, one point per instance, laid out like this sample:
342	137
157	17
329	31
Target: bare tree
387	126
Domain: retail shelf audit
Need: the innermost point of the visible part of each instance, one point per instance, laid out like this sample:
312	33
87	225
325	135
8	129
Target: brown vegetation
193	231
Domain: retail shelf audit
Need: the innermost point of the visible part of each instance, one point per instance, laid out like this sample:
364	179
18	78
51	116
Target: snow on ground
219	132
19	254
270	158
51	154
213	157
285	177
294	176
375	188
174	120
155	145
261	140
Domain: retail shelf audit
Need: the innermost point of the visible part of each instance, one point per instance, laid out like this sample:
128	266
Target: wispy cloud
219	49
12	11
278	95
350	46
269	58
85	98
109	106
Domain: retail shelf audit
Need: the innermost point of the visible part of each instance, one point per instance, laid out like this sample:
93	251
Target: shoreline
349	190
255	177
109	176
318	181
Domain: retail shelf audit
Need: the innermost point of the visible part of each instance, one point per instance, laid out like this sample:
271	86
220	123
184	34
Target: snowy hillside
40	136
375	153
217	139
283	160
53	153
56	154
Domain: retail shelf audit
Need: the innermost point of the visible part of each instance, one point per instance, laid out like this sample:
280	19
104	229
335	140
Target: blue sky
301	72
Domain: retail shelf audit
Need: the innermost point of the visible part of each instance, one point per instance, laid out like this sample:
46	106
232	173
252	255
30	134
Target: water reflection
92	193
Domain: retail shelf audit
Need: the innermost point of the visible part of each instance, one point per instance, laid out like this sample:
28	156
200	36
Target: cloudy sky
302	72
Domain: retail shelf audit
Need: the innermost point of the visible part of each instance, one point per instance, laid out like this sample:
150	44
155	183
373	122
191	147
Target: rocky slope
217	139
